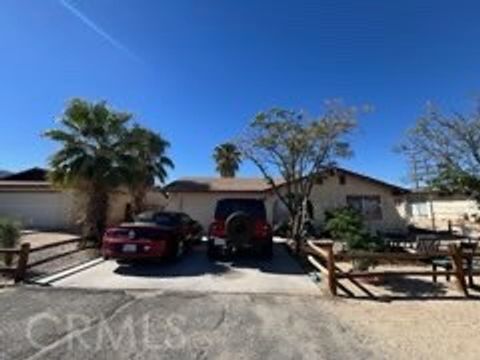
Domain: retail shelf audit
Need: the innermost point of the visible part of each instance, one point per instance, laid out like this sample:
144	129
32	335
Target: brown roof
215	184
395	188
12	186
33	174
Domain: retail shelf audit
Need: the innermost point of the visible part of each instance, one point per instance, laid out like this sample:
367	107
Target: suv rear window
253	207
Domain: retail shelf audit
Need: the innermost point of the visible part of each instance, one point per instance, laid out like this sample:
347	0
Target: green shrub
9	237
346	224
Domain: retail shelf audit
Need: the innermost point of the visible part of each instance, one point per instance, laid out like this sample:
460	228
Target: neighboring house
4	173
30	198
435	210
380	203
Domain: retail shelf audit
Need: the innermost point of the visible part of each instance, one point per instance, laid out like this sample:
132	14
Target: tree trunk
139	200
297	230
96	213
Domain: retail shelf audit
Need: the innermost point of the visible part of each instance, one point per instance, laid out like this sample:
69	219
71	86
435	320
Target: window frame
376	215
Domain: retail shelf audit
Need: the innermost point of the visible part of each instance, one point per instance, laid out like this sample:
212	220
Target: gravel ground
62	263
82	324
417	329
415	319
39	238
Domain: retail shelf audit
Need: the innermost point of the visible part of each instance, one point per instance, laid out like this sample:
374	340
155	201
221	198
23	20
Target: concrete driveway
244	274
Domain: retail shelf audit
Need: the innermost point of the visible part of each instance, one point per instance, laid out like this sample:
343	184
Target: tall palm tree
146	162
228	159
91	137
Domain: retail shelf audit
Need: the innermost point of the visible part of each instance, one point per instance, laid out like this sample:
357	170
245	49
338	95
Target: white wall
441	211
201	206
62	210
38	210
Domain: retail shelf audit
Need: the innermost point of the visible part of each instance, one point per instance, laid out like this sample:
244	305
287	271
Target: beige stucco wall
326	196
201	206
117	204
330	194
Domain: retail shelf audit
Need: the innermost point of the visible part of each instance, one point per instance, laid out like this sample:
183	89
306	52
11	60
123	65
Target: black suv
240	224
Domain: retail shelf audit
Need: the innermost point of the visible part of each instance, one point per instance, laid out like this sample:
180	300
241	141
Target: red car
160	235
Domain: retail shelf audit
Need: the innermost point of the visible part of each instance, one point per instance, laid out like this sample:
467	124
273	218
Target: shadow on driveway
196	263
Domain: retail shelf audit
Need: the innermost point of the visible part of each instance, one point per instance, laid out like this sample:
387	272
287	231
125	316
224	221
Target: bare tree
297	148
449	145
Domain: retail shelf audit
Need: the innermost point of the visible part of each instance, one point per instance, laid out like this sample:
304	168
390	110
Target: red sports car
153	235
142	241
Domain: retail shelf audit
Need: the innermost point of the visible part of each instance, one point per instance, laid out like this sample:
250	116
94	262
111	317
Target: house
4	173
29	198
435	210
381	203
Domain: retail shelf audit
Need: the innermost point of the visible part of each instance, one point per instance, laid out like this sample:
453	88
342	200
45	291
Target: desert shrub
347	225
9	237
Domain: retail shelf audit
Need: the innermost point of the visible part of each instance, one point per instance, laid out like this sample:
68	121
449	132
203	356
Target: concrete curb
47	280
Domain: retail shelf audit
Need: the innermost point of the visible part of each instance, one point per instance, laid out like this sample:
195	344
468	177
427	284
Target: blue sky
197	71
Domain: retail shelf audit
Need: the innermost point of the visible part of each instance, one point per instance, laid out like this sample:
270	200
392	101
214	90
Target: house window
419	209
342	180
369	206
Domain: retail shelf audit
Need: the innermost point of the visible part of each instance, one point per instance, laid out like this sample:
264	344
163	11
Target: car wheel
267	250
176	251
212	252
180	250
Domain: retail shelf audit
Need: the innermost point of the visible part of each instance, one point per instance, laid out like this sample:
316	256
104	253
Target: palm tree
228	159
146	162
91	137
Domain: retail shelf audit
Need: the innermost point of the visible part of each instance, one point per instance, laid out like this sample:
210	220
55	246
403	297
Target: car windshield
166	219
254	208
145	217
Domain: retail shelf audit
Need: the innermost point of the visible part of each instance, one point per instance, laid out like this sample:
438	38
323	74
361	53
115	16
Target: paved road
50	323
195	272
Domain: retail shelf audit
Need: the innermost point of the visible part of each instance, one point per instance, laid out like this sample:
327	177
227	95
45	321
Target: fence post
22	262
332	281
457	261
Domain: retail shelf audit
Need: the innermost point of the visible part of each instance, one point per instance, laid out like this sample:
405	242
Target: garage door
49	210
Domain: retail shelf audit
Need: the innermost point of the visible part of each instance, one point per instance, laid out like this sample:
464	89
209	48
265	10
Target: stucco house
28	197
381	203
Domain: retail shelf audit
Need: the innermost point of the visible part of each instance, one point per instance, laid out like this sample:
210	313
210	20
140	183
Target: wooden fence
20	269
321	255
53	257
25	250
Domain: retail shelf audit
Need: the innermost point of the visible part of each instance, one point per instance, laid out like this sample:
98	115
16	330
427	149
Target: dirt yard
39	238
414	318
417	329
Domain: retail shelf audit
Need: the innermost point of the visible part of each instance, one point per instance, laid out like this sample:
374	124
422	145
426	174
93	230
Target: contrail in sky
91	24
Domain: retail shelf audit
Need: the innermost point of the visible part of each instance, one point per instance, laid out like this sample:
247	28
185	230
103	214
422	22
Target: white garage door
49	210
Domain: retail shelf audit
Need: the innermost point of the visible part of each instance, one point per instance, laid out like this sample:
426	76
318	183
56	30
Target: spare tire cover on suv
239	228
